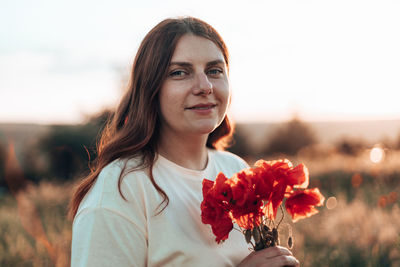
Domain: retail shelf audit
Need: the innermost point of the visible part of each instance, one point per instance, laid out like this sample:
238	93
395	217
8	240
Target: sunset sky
322	60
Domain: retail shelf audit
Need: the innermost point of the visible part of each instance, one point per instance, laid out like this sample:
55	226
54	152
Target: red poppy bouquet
251	199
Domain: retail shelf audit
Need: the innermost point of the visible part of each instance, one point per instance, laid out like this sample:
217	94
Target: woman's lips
202	109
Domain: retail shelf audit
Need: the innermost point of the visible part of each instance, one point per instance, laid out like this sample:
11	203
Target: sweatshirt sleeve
103	237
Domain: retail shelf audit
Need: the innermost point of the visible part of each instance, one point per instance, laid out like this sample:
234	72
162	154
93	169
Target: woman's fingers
270	257
274	251
281	261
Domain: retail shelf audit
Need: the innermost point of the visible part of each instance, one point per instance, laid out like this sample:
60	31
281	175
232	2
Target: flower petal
298	177
207	184
222	228
301	203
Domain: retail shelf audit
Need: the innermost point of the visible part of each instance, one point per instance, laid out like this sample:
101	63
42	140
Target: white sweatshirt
109	231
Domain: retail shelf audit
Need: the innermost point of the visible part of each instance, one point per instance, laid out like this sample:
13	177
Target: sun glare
377	154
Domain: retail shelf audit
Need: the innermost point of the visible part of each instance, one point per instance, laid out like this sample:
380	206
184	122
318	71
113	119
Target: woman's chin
204	128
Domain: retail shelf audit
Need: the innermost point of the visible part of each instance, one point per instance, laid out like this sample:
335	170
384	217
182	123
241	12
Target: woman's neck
187	151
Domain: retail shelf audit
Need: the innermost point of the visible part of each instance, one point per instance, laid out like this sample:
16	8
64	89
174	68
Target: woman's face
195	95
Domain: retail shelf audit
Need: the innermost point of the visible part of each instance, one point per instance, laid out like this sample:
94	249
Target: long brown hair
133	130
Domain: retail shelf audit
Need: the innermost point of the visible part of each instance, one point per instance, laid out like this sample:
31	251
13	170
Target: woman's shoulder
132	169
120	168
108	192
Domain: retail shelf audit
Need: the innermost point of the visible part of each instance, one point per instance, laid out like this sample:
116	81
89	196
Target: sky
61	61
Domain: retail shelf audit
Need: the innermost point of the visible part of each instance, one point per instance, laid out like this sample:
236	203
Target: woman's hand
270	257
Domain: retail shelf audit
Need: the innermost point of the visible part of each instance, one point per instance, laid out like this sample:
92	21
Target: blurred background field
358	173
333	63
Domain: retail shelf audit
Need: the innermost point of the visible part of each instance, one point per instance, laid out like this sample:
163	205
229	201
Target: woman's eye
215	72
177	73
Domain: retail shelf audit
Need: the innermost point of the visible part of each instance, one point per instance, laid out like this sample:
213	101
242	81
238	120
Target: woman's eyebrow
215	62
187	64
182	64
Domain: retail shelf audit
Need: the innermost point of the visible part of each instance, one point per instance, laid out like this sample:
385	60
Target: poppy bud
247	235
264	231
290	242
256	234
275	233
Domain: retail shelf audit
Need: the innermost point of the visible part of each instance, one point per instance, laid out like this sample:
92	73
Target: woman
140	206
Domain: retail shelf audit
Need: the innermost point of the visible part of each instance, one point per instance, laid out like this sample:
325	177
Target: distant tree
98	120
290	138
388	143
69	148
352	147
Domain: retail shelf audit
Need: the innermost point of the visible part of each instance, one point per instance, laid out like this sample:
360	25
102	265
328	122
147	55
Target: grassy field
34	230
358	226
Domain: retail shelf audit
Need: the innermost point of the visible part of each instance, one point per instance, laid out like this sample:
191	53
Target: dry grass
360	230
351	234
34	230
333	162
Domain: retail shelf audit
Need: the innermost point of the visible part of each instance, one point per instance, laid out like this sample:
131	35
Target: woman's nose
203	85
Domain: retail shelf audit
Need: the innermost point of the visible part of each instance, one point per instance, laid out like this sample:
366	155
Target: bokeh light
377	154
331	203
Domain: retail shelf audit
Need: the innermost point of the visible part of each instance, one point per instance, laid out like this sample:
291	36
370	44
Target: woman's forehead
192	48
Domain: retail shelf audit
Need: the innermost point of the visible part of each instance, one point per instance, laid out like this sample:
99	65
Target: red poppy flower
249	214
222	228
281	177
274	174
207	184
264	182
213	210
255	193
218	218
301	203
298	177
246	208
279	167
242	186
275	200
249	220
221	190
210	212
